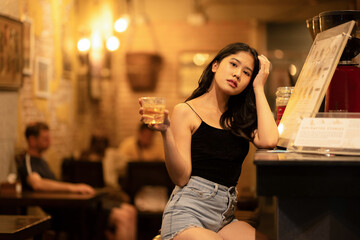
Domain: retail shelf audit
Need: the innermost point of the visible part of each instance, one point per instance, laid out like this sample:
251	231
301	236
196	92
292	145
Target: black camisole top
217	154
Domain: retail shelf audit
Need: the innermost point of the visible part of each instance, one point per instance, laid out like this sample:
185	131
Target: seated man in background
98	145
146	145
36	175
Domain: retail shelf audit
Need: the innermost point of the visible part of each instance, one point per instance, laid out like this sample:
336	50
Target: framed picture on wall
11	53
43	76
28	46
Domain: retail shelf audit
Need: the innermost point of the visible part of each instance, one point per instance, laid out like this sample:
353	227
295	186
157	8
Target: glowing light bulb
84	45
122	24
112	43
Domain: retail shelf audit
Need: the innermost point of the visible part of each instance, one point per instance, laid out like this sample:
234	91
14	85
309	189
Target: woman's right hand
159	127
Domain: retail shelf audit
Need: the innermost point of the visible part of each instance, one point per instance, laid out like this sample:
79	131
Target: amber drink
153	109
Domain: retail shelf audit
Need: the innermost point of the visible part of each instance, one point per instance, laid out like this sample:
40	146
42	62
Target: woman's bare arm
266	135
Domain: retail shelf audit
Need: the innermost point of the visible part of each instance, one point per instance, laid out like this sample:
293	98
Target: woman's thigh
197	233
238	230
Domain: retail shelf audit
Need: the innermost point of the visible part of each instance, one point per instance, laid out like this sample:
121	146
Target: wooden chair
141	174
82	171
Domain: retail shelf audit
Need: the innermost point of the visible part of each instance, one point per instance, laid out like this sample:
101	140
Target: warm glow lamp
112	43
84	45
122	24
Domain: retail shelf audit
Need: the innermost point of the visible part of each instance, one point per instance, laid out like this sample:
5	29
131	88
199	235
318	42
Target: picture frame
28	46
43	76
11	53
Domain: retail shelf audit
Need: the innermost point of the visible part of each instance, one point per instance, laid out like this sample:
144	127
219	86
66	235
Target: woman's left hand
264	70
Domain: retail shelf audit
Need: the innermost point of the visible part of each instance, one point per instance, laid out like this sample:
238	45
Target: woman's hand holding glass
147	119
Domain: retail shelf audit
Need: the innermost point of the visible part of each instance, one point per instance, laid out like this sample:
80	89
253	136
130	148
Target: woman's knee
238	230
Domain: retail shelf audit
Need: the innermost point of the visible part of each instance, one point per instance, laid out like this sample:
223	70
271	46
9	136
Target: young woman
207	141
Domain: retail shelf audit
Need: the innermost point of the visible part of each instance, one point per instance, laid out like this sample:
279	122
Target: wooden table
78	202
50	199
318	197
18	227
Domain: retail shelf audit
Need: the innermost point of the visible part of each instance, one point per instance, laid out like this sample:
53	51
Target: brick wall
58	109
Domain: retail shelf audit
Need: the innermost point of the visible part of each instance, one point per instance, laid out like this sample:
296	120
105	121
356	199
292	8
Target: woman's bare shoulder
186	108
185	113
182	108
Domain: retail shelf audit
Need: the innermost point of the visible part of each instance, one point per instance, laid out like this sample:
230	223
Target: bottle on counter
282	98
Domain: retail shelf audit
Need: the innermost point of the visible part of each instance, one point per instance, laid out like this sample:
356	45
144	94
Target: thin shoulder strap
193	110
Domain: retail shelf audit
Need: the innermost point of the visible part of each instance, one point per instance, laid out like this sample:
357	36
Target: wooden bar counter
318	196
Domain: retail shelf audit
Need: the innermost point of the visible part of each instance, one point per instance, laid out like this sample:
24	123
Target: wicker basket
143	70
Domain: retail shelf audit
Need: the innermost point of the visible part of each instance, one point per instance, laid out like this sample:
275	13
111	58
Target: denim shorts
200	203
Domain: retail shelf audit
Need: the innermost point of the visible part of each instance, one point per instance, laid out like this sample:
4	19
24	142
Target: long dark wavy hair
240	116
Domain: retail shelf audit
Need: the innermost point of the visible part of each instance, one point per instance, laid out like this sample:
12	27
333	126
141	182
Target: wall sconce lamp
122	23
101	37
84	44
112	43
